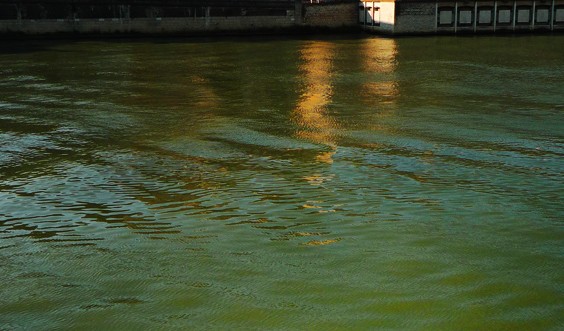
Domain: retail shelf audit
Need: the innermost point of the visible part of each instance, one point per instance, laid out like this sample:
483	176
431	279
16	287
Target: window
558	14
542	15
465	16
8	12
523	15
375	14
504	15
446	17
485	16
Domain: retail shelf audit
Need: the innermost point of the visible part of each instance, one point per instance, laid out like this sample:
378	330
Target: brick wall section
330	15
415	17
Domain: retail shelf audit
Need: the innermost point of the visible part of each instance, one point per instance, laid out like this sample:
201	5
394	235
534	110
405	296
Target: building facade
453	17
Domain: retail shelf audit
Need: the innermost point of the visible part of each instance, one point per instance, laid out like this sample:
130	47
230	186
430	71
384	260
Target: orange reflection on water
379	56
381	91
205	95
311	110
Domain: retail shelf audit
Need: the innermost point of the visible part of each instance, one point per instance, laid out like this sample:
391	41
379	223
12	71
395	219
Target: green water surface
277	184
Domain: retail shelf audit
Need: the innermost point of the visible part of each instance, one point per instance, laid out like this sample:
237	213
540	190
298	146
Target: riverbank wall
172	17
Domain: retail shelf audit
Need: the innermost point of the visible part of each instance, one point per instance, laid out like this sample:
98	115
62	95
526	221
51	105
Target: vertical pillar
298	11
495	15
514	13
552	16
19	12
366	15
533	15
455	16
124	13
436	16
475	15
372	14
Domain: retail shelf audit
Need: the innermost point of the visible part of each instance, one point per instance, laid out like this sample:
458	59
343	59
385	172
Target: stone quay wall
331	15
20	18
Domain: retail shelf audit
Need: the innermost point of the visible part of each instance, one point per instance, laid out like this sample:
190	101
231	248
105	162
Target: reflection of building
379	56
448	16
380	93
311	111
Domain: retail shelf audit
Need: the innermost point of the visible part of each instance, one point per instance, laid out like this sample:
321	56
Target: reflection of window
559	14
523	15
542	15
446	16
465	16
504	16
485	16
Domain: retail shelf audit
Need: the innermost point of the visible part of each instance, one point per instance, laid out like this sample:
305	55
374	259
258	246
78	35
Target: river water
273	183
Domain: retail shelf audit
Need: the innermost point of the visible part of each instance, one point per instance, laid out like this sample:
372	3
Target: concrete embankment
172	17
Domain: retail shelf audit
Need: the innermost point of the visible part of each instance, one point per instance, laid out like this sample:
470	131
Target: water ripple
342	183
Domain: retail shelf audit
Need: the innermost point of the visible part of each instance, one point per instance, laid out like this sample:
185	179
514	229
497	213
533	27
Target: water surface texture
321	183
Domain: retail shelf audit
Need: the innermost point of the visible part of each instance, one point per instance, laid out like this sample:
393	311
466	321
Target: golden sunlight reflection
311	110
205	95
321	242
379	54
381	90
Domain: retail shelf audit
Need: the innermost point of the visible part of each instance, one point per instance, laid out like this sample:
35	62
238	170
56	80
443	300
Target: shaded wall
28	17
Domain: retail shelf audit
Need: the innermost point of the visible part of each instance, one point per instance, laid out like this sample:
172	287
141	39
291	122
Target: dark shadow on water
31	44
